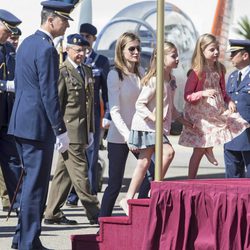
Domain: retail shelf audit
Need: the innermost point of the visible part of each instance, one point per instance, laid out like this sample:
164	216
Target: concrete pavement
57	237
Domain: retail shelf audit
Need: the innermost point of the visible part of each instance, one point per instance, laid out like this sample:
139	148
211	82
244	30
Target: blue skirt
144	139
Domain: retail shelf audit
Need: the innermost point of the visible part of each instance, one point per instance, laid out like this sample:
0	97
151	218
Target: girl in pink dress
206	103
142	135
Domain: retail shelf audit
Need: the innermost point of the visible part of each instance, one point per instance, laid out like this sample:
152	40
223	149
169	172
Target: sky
200	11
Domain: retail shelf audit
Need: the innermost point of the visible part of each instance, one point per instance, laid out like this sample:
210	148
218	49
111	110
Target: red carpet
181	215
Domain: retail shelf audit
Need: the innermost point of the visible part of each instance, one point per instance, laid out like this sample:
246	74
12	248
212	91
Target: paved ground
58	237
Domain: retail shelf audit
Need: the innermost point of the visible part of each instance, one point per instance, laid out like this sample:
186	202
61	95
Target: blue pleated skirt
144	139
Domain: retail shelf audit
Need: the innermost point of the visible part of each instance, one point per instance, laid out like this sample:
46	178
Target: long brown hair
119	61
198	58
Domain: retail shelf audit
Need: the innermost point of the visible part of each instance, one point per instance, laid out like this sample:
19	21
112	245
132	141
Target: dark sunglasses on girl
133	48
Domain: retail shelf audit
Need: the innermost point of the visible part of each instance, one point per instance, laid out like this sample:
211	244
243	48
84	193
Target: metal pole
159	89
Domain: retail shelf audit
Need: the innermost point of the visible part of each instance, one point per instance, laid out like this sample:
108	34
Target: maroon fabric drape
199	214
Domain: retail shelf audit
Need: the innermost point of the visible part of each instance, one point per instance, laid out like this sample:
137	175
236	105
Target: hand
209	93
133	148
232	107
10	86
62	142
106	123
90	139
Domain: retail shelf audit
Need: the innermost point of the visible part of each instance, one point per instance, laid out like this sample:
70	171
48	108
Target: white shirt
122	97
244	71
146	105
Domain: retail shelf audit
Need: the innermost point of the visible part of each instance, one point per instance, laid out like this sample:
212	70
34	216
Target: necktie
239	78
79	69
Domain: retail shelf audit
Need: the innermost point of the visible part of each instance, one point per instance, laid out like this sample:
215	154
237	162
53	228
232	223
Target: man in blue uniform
36	120
14	38
100	69
9	159
237	151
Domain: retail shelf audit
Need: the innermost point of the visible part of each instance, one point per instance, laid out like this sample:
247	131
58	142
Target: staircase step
85	241
117	232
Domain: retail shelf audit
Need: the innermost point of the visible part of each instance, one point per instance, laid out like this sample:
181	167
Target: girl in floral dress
142	135
206	103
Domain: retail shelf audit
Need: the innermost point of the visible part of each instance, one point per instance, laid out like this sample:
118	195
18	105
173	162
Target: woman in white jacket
123	90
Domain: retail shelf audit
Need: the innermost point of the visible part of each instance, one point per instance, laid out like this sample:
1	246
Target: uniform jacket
36	113
241	97
100	68
7	70
77	102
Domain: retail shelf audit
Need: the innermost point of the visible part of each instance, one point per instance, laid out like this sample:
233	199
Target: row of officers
44	106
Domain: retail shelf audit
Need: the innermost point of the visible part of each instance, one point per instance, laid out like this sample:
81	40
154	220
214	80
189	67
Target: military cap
59	8
9	20
77	39
239	45
17	32
88	28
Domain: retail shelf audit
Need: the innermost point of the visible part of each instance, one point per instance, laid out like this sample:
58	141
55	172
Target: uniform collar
245	71
73	63
47	33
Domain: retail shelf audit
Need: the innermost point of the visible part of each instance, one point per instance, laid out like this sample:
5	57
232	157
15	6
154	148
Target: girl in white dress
142	135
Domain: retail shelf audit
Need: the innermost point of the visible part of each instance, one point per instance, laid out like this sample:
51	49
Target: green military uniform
76	99
3	192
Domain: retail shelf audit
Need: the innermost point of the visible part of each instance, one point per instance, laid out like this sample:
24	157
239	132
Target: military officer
36	120
100	68
237	151
9	159
14	38
76	99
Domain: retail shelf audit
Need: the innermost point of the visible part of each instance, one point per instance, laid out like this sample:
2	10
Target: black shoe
14	245
6	209
93	221
71	203
61	221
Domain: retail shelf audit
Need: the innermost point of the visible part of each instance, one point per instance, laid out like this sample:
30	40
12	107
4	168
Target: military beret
60	8
88	28
239	45
77	39
9	20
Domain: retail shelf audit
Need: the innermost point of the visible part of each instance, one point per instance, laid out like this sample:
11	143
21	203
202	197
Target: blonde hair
120	61
168	46
198	58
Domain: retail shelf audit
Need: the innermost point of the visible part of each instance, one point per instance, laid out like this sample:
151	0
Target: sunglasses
133	48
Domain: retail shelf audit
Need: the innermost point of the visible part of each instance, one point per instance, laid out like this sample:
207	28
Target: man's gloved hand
62	142
91	139
105	123
10	86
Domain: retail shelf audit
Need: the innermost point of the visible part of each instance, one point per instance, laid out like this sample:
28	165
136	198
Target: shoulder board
64	71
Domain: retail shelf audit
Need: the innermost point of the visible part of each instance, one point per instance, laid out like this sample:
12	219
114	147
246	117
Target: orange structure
221	23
